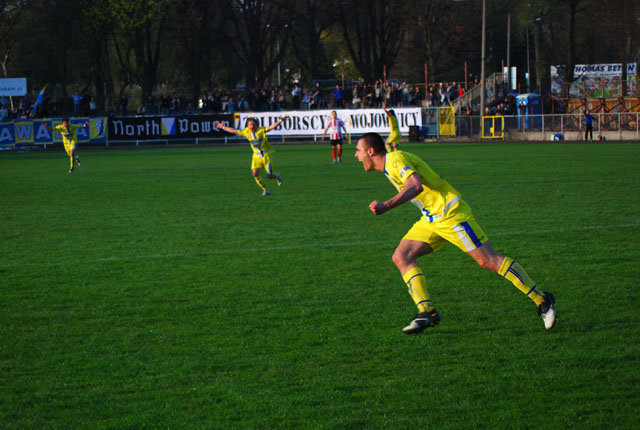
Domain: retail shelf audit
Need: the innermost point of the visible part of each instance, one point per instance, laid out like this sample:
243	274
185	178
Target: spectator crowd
358	95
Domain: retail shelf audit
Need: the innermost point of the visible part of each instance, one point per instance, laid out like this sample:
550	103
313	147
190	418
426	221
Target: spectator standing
165	104
387	94
522	108
356	98
76	103
367	96
588	122
4	113
306	99
175	103
317	95
243	105
378	92
295	96
406	94
338	95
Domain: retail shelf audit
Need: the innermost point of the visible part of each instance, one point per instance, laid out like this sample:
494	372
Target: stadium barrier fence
309	126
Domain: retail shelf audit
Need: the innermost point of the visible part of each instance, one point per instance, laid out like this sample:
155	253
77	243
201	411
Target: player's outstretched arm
277	123
221	126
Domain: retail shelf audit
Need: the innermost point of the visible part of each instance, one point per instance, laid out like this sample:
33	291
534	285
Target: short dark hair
392	112
65	119
375	141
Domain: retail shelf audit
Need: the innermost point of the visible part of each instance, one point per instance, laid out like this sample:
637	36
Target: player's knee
485	263
489	262
401	257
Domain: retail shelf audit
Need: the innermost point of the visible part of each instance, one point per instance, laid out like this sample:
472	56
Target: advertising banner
14	87
314	122
596	80
34	132
446	121
167	127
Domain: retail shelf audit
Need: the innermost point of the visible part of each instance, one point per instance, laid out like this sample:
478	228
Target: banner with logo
167	127
34	132
314	122
596	80
15	87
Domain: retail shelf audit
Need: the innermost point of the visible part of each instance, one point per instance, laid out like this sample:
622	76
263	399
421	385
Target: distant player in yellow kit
69	139
394	135
445	217
262	150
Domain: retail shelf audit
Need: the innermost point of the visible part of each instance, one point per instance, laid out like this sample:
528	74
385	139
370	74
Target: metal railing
606	126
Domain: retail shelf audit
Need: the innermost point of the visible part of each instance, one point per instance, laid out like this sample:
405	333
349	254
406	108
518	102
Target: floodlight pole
508	90
528	71
278	48
482	71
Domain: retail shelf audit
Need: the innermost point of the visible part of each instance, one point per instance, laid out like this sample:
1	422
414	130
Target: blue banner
34	132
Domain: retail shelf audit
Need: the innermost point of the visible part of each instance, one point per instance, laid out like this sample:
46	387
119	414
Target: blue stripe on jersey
404	169
471	234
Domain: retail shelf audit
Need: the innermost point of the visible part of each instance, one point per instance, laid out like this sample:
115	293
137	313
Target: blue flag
38	100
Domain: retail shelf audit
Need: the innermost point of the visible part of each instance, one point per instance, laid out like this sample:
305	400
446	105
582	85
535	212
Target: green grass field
158	288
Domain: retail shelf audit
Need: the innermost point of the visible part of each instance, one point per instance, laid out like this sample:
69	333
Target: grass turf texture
158	288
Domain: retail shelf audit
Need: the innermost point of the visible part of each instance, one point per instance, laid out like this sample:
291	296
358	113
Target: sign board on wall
14	87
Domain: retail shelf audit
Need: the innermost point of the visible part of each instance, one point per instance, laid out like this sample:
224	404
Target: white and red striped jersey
335	128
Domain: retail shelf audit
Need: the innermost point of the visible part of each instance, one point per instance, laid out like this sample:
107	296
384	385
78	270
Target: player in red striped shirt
336	125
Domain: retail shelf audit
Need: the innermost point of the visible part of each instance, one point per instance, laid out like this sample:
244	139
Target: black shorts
335	142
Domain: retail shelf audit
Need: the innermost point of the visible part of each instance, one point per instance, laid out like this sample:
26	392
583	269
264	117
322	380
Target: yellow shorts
68	147
460	228
264	162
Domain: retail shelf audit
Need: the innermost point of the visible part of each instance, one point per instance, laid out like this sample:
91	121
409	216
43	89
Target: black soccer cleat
422	321
547	310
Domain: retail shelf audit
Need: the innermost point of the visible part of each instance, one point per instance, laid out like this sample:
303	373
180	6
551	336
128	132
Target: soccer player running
336	125
445	218
262	150
69	139
394	135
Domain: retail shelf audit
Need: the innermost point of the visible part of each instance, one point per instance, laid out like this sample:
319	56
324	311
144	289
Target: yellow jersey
69	135
393	123
437	198
258	140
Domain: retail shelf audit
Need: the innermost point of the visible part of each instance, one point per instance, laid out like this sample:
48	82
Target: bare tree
372	31
260	36
141	33
195	26
313	18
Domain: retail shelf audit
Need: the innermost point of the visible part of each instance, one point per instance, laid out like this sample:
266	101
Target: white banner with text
314	122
